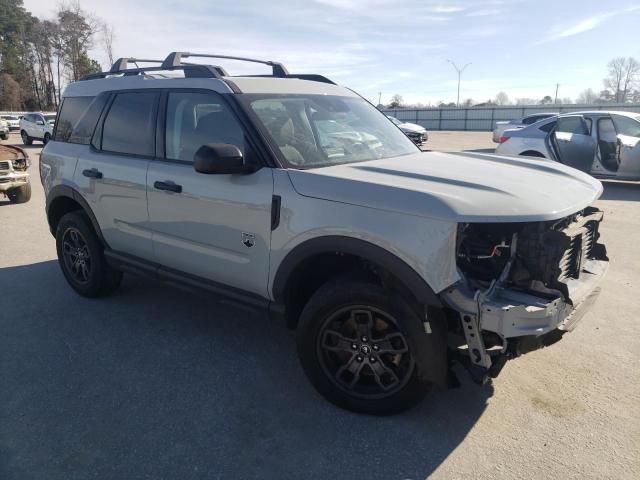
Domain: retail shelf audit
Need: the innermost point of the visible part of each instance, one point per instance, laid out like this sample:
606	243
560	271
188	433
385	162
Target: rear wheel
46	138
26	139
20	194
81	257
356	342
4	136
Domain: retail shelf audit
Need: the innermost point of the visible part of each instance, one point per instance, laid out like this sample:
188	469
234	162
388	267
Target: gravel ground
156	383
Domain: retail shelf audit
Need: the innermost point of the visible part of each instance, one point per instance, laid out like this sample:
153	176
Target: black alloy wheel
362	350
76	256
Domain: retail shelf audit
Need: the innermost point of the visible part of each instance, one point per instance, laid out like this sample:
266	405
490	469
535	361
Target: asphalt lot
158	383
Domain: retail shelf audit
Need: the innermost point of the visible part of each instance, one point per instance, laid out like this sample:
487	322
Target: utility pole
459	70
555	100
379	98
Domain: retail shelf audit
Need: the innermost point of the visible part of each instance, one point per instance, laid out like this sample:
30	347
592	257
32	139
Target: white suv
390	263
37	126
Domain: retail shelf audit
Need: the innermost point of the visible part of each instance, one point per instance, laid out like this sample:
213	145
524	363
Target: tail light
504	139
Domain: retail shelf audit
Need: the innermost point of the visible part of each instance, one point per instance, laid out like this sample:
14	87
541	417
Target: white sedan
602	143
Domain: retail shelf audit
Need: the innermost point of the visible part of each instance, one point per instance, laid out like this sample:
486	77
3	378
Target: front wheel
26	139
46	138
357	344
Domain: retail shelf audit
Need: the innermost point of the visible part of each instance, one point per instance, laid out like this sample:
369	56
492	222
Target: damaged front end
522	285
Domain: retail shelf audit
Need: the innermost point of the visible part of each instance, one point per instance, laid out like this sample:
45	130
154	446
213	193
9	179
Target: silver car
602	143
521	122
293	194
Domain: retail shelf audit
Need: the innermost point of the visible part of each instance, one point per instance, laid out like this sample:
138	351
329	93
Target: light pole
459	70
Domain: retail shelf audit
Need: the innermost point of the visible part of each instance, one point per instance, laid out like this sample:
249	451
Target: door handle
92	173
169	186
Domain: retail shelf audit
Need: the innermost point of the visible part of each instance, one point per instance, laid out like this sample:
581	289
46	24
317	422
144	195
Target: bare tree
396	101
622	78
502	99
587	97
108	35
77	30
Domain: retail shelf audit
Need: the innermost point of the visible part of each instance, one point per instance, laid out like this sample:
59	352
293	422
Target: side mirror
220	159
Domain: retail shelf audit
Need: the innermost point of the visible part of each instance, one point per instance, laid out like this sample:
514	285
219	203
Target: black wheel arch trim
66	191
357	247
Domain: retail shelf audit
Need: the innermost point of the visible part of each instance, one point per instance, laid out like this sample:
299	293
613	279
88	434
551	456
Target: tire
4	136
20	194
26	139
81	257
331	346
46	138
532	153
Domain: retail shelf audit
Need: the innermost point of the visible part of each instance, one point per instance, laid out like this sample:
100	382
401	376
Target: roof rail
174	59
123	63
190	71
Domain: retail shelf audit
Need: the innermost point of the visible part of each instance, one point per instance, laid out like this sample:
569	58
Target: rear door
628	137
112	173
572	143
217	227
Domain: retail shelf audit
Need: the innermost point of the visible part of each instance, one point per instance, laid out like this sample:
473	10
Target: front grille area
5	165
580	249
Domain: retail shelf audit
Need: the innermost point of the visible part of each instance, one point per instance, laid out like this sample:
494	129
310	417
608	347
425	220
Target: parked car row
602	143
32	126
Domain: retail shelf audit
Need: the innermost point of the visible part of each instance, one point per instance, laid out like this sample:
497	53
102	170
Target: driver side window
195	119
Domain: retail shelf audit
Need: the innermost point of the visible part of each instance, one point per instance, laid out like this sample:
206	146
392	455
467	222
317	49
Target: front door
217	227
572	142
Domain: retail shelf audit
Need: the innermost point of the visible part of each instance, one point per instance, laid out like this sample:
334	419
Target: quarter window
78	118
195	119
130	124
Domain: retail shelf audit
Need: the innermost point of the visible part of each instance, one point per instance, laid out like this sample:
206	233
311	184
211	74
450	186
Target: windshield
321	130
50	118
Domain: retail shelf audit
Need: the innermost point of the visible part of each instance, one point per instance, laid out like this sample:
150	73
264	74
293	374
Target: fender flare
357	247
66	191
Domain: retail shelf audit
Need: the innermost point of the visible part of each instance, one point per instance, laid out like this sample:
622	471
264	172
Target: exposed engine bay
546	254
522	282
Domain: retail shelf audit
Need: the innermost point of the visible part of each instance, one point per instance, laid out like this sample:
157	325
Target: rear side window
130	124
574	125
78	118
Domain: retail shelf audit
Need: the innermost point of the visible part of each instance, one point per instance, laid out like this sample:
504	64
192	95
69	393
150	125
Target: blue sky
520	47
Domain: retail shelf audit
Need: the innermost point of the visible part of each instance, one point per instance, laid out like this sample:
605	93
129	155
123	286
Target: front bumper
12	179
511	313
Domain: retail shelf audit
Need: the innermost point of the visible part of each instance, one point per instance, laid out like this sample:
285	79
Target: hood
411	127
460	187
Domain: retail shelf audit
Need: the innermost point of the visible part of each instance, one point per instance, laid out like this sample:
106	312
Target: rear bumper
12	180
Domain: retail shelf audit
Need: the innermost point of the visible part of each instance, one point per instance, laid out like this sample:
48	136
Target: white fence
484	118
